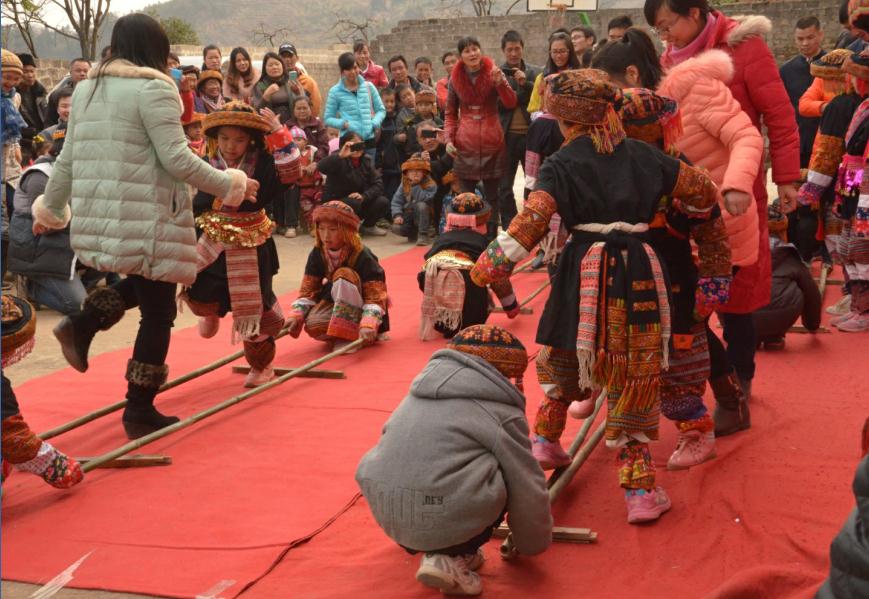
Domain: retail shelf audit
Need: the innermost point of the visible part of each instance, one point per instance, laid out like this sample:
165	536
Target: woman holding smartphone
275	90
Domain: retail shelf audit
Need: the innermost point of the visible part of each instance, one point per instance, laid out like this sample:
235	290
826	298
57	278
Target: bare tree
348	28
482	8
85	17
23	14
267	35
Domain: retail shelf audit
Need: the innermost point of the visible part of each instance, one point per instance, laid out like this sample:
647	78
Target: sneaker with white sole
450	575
856	324
646	505
692	449
476	560
290	233
840	308
842	318
255	377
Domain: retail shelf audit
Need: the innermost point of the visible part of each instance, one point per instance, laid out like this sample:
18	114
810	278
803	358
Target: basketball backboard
560	5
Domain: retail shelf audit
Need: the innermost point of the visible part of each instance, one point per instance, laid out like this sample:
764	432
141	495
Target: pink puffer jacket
719	137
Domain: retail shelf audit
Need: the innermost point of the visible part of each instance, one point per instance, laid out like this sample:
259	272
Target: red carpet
249	485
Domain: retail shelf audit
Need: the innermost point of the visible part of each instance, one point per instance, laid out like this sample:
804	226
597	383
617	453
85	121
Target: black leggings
156	302
741	341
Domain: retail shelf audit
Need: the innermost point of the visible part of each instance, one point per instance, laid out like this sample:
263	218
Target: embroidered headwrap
829	66
590	102
651	118
856	68
468	211
341	214
497	346
19	329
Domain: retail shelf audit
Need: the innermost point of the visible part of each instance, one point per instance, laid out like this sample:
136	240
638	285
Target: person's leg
772	324
645	501
490	190
557	372
347	308
291	214
515	148
731	404
65	296
147	370
422	216
372	210
741	342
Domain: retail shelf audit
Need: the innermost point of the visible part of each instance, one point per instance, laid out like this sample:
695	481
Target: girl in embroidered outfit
237	257
452	301
841	144
193	131
315	130
21	448
343	292
309	188
209	92
241	76
607	321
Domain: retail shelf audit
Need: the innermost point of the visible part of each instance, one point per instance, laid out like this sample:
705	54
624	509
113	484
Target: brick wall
432	37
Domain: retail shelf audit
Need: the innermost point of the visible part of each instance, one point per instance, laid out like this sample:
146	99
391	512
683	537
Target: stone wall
432	37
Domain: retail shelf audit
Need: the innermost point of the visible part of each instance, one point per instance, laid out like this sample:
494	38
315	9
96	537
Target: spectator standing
846	36
583	39
274	89
561	58
473	132
290	56
397	66
373	73
78	72
64	106
212	59
514	122
797	78
241	76
34	98
424	71
449	60
615	29
209	92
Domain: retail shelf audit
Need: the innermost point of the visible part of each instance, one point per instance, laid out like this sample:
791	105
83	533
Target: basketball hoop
556	21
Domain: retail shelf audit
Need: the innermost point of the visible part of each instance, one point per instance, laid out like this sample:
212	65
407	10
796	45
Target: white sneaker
840	308
208	326
290	233
450	575
476	560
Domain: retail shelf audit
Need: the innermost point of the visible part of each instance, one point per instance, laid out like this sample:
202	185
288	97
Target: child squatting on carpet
455	457
452	301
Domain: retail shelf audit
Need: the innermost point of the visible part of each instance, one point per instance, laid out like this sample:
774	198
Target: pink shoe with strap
646	505
692	449
550	454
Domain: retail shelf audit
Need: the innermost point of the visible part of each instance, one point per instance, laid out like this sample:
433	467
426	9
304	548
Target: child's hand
294	326
398	220
368	335
269	115
426	156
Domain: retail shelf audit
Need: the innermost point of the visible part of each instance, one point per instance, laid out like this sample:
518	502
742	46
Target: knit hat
651	118
338	212
829	66
416	161
27	60
777	222
19	329
587	98
468	211
196	117
235	114
11	62
856	66
426	94
298	133
208	74
496	345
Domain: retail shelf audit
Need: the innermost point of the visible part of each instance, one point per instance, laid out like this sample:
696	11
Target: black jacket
523	94
794	292
797	79
343	178
34	105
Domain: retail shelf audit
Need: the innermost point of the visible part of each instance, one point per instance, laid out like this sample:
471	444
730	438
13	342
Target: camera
428	134
359	146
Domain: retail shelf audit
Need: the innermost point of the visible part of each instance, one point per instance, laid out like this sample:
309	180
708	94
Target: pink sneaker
255	378
692	448
581	409
856	324
646	506
208	326
550	454
842	318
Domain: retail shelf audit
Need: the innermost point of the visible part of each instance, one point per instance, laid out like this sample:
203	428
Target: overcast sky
119	7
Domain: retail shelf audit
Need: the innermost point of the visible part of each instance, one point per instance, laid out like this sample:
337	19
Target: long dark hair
233	74
264	78
139	39
572	60
635	48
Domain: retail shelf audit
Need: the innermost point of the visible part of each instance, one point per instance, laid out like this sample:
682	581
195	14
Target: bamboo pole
119	405
579	439
163	432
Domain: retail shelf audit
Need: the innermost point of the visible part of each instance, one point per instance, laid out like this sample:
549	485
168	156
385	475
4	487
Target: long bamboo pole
163	432
119	405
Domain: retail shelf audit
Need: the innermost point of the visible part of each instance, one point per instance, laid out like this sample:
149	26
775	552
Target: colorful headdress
416	161
856	10
652	118
19	329
11	62
298	133
587	99
496	345
426	94
196	117
236	114
468	211
829	66
856	68
777	222
208	74
338	212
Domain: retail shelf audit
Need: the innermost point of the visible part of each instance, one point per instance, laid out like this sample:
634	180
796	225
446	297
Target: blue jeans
65	296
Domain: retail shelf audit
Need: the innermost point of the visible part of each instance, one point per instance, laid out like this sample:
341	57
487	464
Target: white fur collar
125	68
749	26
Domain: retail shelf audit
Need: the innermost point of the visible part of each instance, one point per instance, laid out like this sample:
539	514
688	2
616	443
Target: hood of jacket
126	69
742	27
711	64
451	374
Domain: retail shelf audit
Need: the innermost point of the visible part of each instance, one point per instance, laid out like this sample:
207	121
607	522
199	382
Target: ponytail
635	48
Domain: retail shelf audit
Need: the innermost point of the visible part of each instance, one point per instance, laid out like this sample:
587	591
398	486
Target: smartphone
428	134
359	146
293	75
176	75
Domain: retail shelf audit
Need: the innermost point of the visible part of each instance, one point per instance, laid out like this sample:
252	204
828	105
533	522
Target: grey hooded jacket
453	456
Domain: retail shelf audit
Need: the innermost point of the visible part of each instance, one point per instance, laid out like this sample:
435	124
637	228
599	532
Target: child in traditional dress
607	322
193	131
412	203
451	300
310	185
343	293
21	448
454	457
237	255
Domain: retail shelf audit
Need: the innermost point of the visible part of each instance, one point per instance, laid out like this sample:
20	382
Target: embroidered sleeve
310	288
696	192
713	248
516	243
279	139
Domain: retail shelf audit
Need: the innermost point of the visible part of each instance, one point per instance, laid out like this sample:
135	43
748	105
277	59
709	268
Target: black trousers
286	208
370	210
741	338
470	546
515	144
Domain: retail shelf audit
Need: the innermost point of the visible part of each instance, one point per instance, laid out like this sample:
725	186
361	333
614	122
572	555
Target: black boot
101	310
731	405
140	416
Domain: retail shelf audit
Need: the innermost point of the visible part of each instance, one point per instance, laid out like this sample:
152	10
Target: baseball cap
288	48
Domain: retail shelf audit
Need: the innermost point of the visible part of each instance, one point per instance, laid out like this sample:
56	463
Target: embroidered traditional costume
608	320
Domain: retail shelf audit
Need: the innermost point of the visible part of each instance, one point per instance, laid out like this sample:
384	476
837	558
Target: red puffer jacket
472	125
758	87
